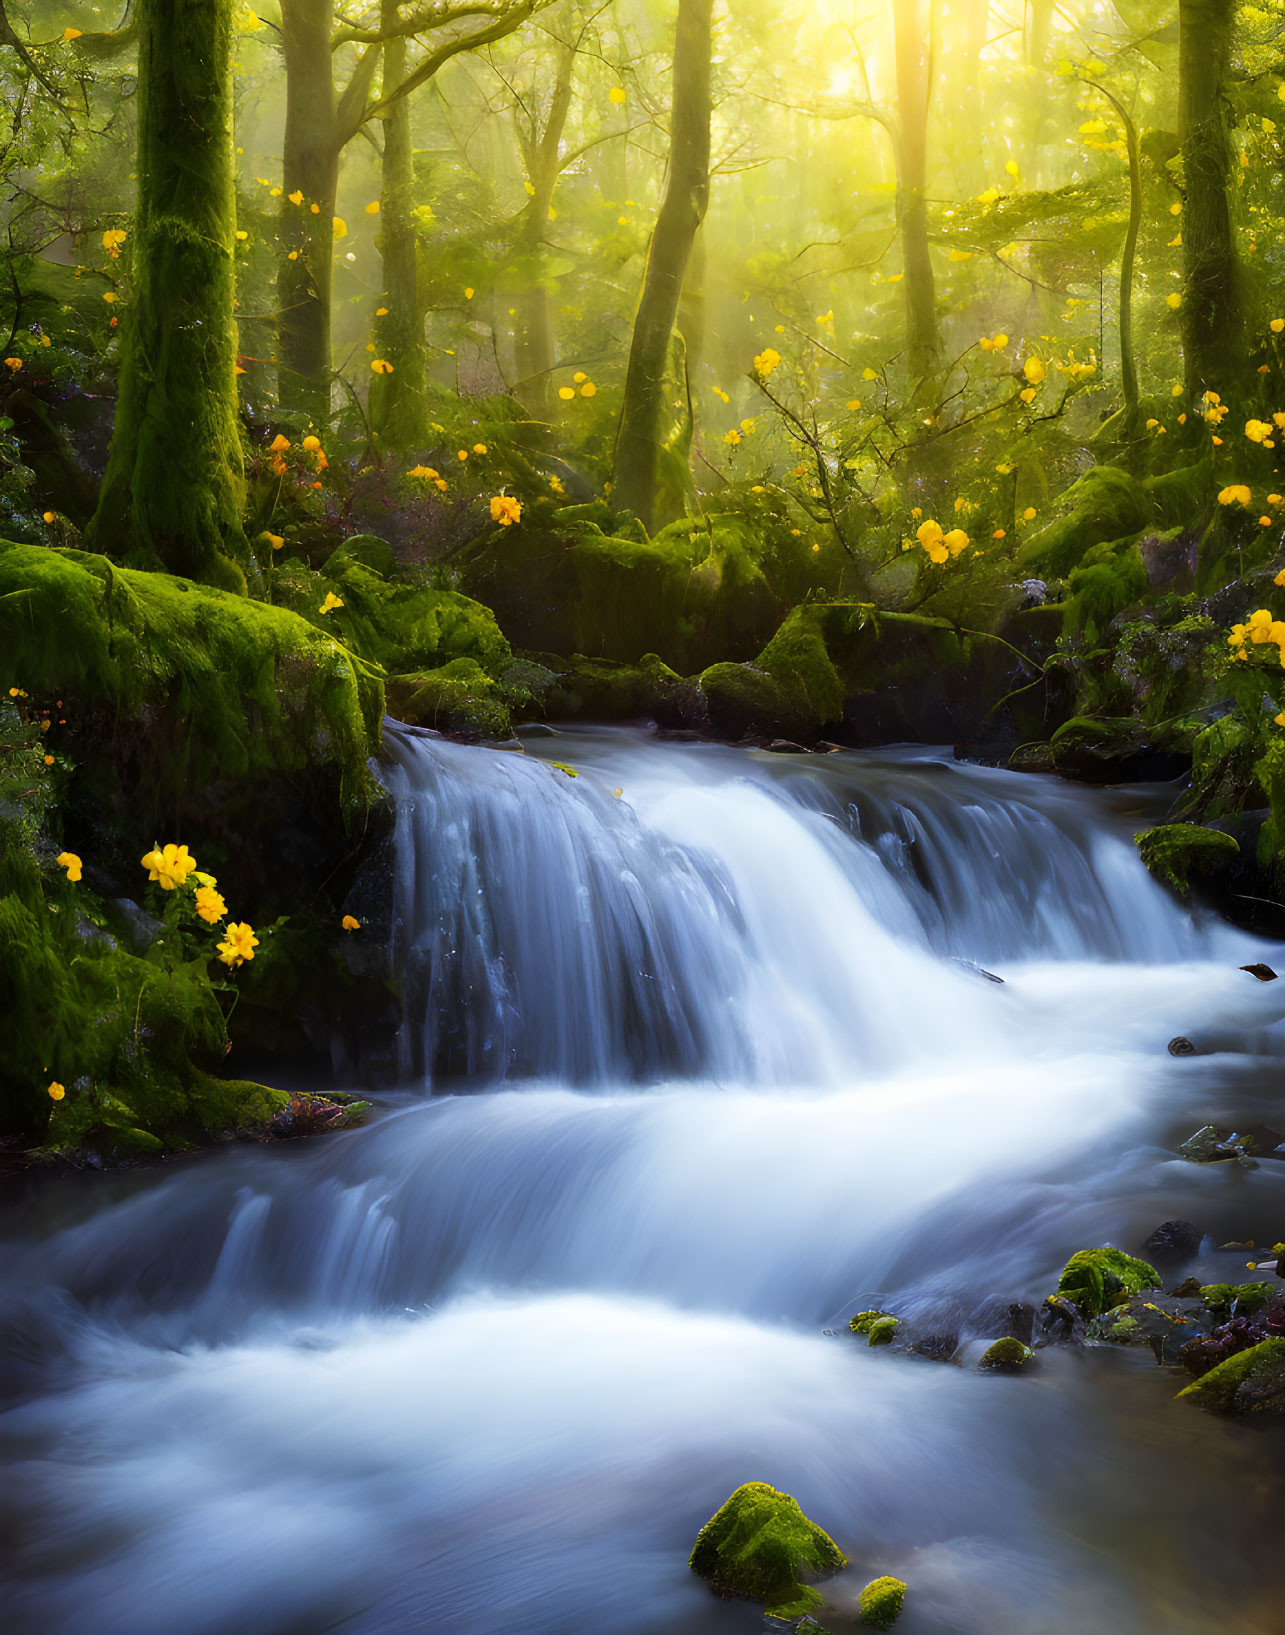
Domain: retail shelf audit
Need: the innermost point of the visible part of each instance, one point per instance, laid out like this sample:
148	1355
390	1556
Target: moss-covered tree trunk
310	178
174	488
398	401
534	339
681	212
1211	312
914	87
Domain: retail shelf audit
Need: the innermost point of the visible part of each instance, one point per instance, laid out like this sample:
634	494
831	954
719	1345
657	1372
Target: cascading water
490	1362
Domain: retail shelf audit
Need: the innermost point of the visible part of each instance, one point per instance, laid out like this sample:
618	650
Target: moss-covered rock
1097	1279
228	687
881	1603
1244	1299
458	698
864	1321
1178	854
1007	1353
1250	1382
587	689
759	1544
1106	504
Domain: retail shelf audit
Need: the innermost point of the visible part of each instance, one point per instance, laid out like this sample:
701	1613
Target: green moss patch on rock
1104	505
1178	854
1097	1279
881	1603
758	1544
1007	1353
1250	1382
228	687
459	698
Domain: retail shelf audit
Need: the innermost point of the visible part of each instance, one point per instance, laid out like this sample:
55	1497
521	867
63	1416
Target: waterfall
703	1051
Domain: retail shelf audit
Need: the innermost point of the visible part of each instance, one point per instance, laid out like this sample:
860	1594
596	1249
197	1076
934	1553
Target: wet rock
1008	1354
881	1602
786	746
1188	1289
1097	1279
1250	1382
306	1114
1174	1240
1165	1323
937	1347
879	1327
1061	1321
1032	758
1181	1046
1264	973
1210	1145
997	1318
758	1544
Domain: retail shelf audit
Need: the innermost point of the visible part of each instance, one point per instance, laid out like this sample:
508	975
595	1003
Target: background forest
788	373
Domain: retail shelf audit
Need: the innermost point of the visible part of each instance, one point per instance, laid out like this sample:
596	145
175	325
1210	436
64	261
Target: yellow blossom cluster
993	343
1216	411
505	510
581	380
939	545
430	474
767	360
1260	630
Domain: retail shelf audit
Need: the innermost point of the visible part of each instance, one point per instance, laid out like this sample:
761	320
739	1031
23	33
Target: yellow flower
113	238
1029	514
13	363
296	197
618	95
732	438
1175	209
766	361
350	924
381	366
56	1091
955	541
422	471
170	864
372	209
50	516
311	444
479	448
579	376
993	343
1034	371
238	944
1027	394
1173	300
505	510
961	255
339	227
461	454
1234	494
588	389
929	533
68	860
331	603
566	393
275	540
209	905
468	293
1258	431
853	403
279	444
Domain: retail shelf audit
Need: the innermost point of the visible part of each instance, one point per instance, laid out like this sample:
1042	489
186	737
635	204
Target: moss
757	1545
1097	1279
174	489
883	1331
1104	504
1247	1298
1249	1382
228	686
458	698
1110	579
580	688
1006	1353
1178	853
881	1603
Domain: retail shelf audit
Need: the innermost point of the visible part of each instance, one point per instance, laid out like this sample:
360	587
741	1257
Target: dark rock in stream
1174	1240
1249	1382
1210	1145
1061	1321
1165	1323
937	1347
998	1317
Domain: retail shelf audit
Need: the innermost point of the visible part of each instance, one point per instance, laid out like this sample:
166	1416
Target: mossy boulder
1182	854
1104	505
1165	1323
1250	1382
1007	1354
759	1544
1095	749
459	698
878	1327
881	1603
579	688
1244	1299
1097	1279
227	686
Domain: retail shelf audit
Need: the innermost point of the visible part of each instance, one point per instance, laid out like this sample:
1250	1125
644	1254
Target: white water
713	1071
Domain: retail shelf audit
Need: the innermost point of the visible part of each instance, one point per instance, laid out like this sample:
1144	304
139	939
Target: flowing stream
716	1059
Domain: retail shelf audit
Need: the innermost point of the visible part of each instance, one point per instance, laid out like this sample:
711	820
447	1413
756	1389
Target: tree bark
534	340
914	87
1211	313
398	402
174	491
681	212
311	171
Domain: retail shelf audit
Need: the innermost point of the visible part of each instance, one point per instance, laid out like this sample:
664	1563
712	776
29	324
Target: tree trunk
534	340
311	169
399	402
1211	315
174	490
914	87
681	212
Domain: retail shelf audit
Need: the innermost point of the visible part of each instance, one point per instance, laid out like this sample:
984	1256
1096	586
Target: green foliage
1097	1279
881	1603
758	1544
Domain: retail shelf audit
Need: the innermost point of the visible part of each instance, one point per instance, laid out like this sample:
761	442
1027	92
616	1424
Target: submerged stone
879	1327
881	1602
1178	1240
1096	1279
1009	1354
757	1545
